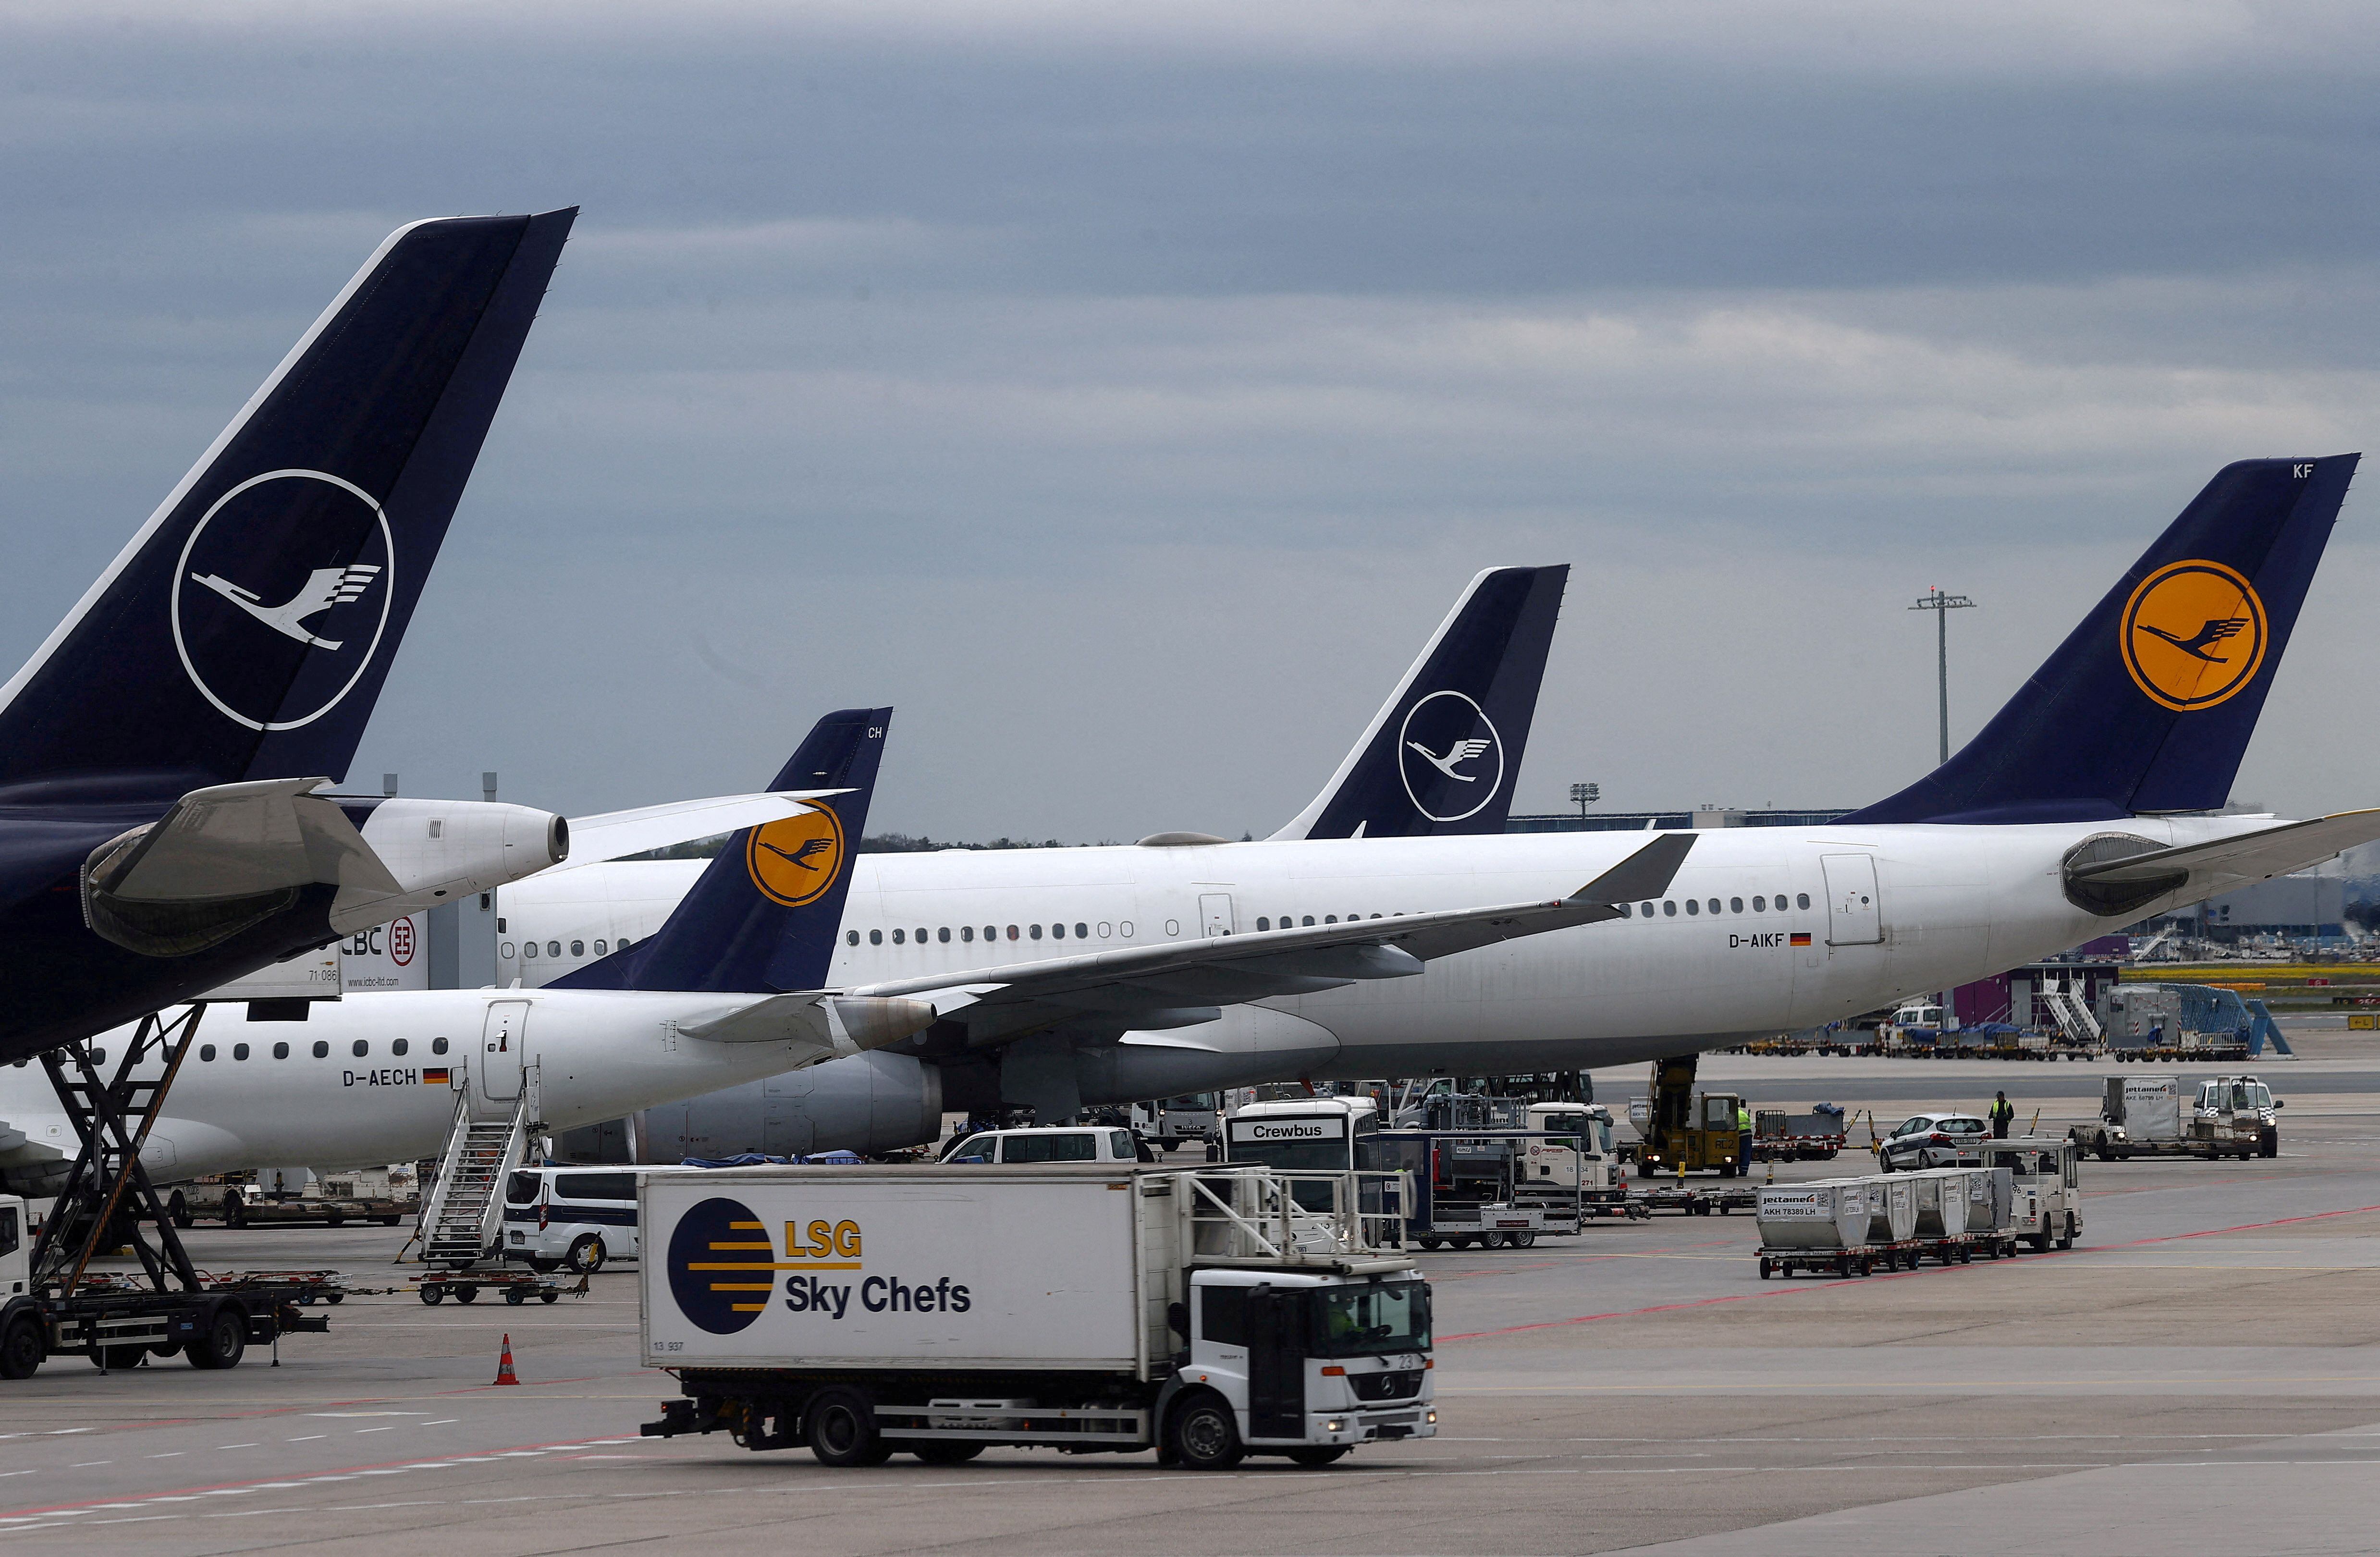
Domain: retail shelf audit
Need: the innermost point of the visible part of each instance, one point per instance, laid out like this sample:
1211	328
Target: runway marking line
1789	1291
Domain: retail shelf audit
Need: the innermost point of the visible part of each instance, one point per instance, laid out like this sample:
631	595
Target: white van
1049	1143
572	1218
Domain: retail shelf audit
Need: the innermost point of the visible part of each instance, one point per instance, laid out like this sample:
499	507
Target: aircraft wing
230	856
1184	983
2227	864
614	835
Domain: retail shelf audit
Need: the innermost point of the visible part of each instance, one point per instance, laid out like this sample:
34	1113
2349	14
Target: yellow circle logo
2194	634
793	859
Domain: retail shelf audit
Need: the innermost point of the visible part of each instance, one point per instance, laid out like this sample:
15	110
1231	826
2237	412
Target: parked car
1051	1143
1936	1141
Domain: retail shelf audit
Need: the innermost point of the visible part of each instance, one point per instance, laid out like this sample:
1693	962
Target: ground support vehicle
1780	1137
1683	1129
51	1300
2147	1116
1680	1200
2045	1184
516	1287
1205	1313
1471	1188
236	1206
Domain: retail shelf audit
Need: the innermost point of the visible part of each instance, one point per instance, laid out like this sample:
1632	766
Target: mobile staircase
2074	1018
462	1221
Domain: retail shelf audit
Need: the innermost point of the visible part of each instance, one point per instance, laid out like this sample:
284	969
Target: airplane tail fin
761	919
2148	705
1441	756
244	632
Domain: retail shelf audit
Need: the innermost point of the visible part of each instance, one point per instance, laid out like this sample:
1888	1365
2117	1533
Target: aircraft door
1853	916
1215	913
503	1045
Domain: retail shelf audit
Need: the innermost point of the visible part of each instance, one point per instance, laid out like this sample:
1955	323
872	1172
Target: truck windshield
1370	1320
1296	1156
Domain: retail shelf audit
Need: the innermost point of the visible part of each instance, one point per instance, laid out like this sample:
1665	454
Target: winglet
1644	874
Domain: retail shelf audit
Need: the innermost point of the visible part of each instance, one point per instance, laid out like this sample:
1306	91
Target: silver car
1936	1141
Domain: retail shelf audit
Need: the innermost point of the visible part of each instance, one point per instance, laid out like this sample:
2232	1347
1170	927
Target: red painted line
1789	1290
434	1456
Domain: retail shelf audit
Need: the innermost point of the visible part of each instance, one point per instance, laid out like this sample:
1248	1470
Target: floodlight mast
1942	606
1584	795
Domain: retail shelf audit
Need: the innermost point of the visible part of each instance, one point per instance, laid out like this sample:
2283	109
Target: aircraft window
625	944
1735	904
239	1051
322	1049
438	1046
1694	906
1646	909
578	948
921	935
1330	918
1058	931
1124	929
1801	900
362	1048
1308	919
554	948
1263	923
1104	931
900	936
991	932
1713	904
206	1051
851	938
1375	916
966	932
1036	932
529	949
599	948
1012	932
1669	907
875	938
1173	927
943	936
506	951
280	1051
1760	905
399	1045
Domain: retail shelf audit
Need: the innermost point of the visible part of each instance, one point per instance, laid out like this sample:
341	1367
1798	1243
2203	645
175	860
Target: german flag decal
436	1076
1801	938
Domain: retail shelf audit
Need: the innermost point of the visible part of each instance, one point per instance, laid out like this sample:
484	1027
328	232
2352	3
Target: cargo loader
1205	1314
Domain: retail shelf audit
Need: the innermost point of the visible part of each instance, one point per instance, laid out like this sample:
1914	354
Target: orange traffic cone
505	1363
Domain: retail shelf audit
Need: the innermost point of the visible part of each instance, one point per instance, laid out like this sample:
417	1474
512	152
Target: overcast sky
1125	390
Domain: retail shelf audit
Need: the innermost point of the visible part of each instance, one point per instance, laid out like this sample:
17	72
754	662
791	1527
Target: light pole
1942	606
1584	795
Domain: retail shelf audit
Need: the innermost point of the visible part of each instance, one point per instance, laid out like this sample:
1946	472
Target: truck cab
1581	1158
2236	1114
2045	1184
1320	1362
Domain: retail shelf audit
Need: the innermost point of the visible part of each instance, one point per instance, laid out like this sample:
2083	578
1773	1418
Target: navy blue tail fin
1441	756
245	631
762	917
2148	705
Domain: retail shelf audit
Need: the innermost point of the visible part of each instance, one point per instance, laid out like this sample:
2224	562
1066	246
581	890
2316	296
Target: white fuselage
597	1056
1951	904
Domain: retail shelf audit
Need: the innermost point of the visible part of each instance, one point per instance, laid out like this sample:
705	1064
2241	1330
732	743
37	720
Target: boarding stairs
462	1224
2074	1018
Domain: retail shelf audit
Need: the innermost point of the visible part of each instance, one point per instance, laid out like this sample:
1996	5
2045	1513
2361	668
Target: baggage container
1892	1209
1827	1214
1941	1202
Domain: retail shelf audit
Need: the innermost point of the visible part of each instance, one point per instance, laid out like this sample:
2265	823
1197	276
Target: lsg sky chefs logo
723	1268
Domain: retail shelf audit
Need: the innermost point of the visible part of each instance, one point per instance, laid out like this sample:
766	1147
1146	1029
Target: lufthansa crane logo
1449	751
2194	634
287	557
795	858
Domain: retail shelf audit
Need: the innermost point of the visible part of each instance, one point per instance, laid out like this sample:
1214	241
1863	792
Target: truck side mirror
2279	1103
1177	1318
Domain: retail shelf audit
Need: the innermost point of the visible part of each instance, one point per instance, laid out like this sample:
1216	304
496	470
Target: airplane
728	989
1472	692
165	751
2087	803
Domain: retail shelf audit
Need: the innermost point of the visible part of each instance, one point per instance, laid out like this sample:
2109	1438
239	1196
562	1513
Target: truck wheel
2269	1143
466	1292
840	1427
223	1341
2065	1239
1204	1435
117	1358
434	1296
547	1296
1766	1268
1318	1456
516	1296
1432	1242
586	1256
180	1210
23	1350
1520	1240
949	1452
235	1211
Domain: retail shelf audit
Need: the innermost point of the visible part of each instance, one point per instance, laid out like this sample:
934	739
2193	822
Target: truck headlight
1334	1424
1431	1418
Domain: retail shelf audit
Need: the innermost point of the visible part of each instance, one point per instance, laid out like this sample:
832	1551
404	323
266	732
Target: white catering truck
1208	1314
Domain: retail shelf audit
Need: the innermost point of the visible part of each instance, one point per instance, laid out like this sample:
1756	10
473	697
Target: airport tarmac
2201	1372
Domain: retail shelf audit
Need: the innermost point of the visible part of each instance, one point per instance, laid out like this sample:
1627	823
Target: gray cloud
1123	392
